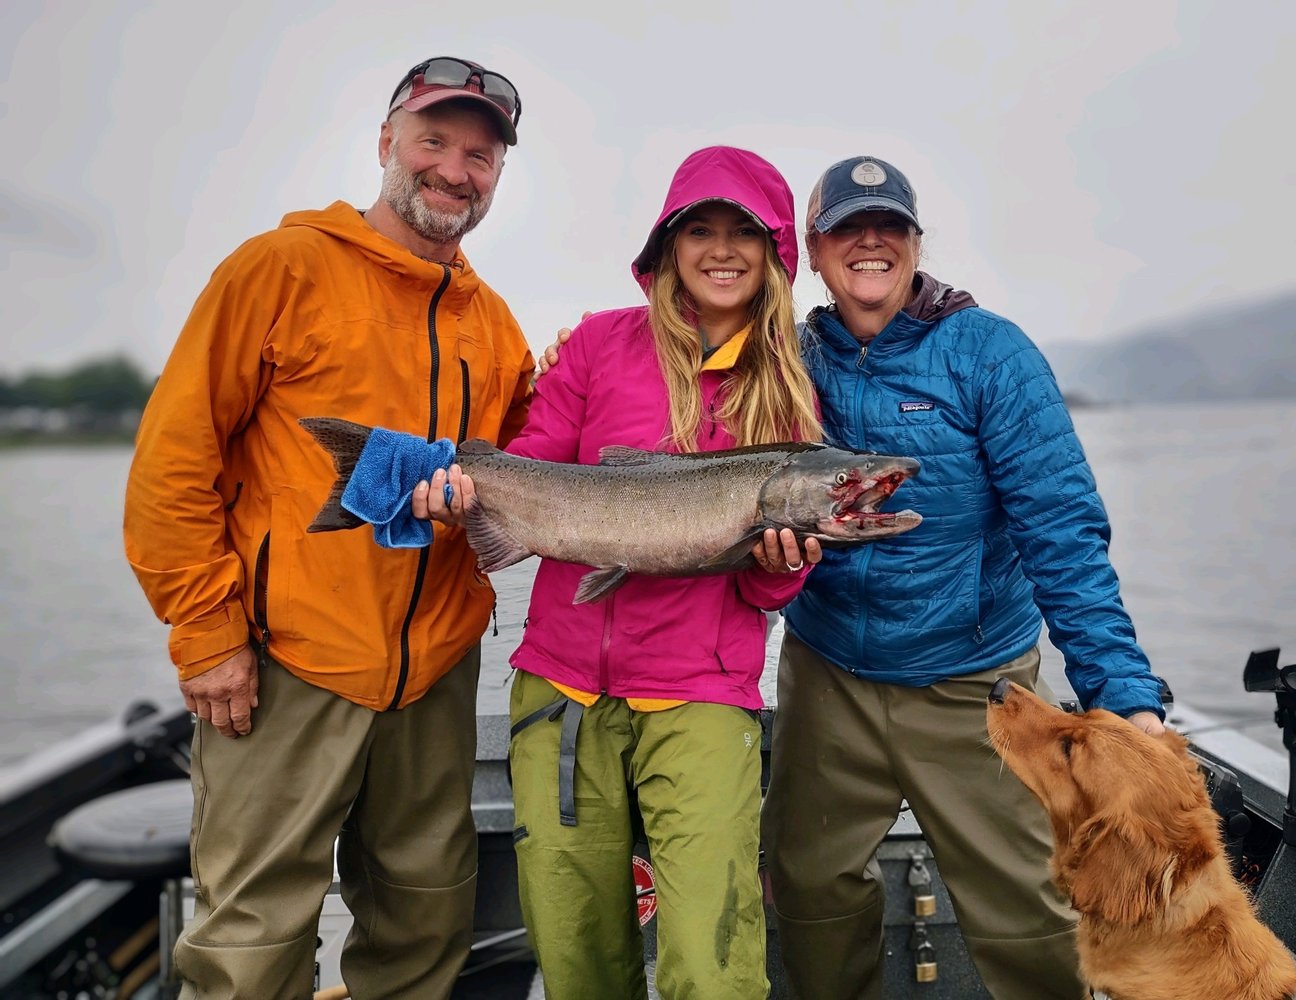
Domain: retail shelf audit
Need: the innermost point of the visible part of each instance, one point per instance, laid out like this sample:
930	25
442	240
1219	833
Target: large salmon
650	512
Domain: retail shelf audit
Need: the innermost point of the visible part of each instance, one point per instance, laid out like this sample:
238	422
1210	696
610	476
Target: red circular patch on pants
645	888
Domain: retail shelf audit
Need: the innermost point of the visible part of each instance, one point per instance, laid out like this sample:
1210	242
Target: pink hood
723	173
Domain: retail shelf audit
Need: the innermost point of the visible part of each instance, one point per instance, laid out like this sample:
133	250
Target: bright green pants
845	753
690	776
393	789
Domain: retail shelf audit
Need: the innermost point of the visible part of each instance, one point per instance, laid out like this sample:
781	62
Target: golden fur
1137	848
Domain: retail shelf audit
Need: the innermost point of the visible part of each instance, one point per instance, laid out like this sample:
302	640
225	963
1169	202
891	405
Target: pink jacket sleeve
770	591
552	432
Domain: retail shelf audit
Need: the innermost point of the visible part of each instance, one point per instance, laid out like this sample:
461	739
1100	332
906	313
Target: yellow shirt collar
726	355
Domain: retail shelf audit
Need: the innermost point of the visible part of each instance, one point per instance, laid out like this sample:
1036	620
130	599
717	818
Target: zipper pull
859	362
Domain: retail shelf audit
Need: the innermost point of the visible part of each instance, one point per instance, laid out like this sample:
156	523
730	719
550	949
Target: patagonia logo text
916	406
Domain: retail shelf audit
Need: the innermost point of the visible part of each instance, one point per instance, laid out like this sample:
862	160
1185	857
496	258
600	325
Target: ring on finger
800	565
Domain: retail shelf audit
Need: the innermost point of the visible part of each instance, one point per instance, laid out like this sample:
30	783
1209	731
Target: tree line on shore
100	398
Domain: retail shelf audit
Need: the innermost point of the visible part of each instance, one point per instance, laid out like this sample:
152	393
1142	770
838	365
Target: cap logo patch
868	174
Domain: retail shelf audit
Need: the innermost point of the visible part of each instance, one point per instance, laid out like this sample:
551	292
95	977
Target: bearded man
333	680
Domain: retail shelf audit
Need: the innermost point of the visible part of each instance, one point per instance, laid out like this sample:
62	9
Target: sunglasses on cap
448	73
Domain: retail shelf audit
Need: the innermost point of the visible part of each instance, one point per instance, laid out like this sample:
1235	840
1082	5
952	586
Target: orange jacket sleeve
174	524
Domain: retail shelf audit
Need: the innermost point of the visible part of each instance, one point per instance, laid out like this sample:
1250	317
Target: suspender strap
567	763
552	710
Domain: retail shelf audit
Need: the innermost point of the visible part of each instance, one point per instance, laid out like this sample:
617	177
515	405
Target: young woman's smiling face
720	256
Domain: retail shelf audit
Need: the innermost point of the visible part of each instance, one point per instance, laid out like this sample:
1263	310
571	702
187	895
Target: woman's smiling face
868	262
720	256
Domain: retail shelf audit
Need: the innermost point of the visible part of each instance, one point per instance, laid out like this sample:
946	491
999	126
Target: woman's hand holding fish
778	552
428	502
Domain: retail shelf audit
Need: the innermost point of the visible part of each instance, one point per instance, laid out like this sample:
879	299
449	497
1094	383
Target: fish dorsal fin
494	546
620	455
736	556
599	583
476	446
782	447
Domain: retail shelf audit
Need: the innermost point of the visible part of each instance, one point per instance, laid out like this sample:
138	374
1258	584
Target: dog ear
1118	869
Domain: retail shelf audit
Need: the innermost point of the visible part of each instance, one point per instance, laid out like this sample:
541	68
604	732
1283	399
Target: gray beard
402	191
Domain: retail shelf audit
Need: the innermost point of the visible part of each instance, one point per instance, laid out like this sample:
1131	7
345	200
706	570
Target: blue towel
390	465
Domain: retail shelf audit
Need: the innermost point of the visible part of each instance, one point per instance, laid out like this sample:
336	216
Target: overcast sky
1082	167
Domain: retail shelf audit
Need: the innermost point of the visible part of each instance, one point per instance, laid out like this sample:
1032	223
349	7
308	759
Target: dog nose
999	690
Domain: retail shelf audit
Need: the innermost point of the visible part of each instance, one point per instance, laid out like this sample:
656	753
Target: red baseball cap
447	78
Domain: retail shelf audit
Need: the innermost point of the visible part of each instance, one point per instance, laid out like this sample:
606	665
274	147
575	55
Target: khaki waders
692	773
845	753
392	788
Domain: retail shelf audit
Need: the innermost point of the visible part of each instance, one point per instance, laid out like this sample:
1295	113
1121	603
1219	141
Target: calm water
1203	535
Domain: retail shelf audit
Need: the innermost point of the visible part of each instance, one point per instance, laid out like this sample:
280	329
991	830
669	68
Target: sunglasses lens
446	72
502	93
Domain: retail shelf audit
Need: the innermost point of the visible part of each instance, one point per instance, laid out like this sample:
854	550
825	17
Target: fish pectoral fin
736	556
494	546
598	584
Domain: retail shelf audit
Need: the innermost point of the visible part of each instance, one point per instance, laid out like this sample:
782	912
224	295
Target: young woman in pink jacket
638	714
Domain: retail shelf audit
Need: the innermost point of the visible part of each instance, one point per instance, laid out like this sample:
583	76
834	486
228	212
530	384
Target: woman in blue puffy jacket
891	649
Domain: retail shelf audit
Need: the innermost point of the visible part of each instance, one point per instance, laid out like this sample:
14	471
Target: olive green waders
692	773
392	788
845	752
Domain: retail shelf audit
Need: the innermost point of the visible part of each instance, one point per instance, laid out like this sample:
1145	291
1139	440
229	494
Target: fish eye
841	478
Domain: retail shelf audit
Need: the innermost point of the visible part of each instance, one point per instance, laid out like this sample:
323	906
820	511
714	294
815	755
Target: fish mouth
854	512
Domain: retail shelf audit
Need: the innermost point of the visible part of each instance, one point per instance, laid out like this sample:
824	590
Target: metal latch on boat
920	884
924	953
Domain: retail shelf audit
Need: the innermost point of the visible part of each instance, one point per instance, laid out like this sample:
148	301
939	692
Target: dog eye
1066	747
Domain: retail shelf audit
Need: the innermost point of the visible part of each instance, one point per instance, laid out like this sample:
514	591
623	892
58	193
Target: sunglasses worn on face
446	72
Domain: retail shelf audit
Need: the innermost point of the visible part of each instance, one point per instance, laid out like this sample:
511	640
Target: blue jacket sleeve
1059	525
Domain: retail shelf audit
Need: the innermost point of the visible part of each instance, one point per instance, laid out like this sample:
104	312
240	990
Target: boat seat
136	833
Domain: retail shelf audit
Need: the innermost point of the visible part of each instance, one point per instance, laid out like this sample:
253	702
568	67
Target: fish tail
344	441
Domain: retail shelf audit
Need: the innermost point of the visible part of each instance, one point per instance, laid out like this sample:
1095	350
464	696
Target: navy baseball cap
861	184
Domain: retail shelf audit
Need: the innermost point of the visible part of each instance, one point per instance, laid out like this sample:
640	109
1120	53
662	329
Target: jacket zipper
260	597
978	636
464	410
861	585
605	647
403	676
863	355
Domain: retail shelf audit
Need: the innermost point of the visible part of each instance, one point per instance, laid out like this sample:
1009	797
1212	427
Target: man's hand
226	694
428	501
550	356
1148	722
778	552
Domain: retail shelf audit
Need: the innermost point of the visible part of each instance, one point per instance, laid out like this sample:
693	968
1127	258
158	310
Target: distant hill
1242	352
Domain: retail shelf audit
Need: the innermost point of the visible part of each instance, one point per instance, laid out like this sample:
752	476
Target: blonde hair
768	395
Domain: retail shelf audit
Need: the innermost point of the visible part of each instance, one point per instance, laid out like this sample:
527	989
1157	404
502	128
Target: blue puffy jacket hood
724	173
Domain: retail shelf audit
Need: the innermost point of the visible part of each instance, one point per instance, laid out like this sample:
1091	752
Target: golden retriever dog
1137	848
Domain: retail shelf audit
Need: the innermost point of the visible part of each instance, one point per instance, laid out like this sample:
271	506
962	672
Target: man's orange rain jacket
320	317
